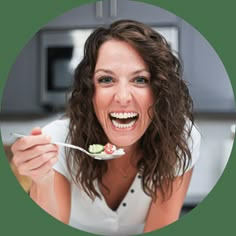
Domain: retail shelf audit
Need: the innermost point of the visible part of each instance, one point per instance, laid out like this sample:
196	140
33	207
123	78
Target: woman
128	90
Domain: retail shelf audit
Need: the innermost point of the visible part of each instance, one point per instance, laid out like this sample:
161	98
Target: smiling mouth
124	120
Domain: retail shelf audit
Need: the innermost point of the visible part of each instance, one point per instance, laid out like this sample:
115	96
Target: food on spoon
96	148
100	149
109	148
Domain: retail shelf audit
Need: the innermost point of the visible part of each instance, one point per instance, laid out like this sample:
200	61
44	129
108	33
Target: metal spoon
103	156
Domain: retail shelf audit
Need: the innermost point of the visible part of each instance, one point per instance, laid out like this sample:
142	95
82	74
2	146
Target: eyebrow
104	70
111	72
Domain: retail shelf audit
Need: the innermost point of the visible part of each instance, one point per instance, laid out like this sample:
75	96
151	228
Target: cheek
96	105
147	99
150	97
146	103
101	101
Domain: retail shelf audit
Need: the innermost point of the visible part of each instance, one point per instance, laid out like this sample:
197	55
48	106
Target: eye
141	80
105	80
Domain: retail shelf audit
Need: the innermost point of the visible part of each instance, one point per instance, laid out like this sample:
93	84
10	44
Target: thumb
36	131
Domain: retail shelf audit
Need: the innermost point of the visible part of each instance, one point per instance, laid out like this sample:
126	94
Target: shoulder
57	129
194	138
193	142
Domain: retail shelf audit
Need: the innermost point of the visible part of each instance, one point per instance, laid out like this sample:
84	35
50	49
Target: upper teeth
124	115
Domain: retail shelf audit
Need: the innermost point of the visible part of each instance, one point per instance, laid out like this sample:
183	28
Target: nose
123	94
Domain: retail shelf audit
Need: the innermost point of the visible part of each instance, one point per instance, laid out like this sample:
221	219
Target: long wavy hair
164	144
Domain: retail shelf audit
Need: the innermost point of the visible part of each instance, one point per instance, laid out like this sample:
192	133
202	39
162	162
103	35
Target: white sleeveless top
95	216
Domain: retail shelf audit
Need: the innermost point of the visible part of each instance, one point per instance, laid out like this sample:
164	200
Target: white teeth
123	126
124	115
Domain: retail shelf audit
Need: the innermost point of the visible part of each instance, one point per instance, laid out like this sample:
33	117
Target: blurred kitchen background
35	91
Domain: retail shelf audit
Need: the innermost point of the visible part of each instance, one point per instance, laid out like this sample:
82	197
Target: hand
34	156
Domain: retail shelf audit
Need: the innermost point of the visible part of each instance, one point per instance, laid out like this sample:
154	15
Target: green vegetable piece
96	148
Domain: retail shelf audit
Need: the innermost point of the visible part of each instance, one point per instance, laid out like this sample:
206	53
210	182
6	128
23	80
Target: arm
164	212
53	196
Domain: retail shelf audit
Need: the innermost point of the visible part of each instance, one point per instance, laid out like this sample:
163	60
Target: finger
30	141
34	152
36	162
42	170
36	131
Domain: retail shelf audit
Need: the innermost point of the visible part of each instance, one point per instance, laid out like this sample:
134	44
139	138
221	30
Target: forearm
164	212
162	220
44	195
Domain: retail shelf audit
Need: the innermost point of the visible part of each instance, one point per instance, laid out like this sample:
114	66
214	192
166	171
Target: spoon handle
18	135
60	144
71	146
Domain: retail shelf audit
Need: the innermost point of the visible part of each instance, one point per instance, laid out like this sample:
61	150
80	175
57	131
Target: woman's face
122	93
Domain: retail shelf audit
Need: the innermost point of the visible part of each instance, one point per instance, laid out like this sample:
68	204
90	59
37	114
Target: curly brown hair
165	141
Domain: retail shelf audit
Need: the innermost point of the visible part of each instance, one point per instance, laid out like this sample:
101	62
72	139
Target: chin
123	142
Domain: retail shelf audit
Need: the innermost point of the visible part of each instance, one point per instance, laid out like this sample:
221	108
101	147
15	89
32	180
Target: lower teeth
123	126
